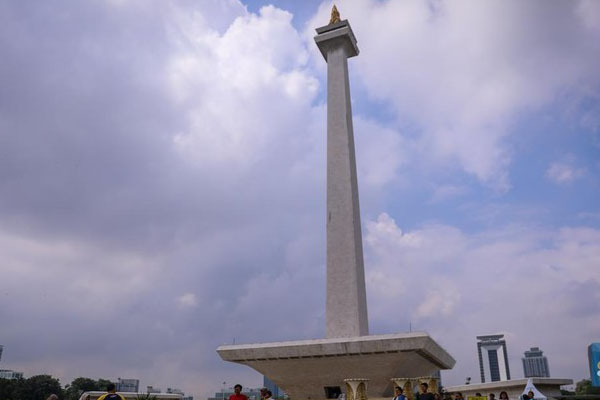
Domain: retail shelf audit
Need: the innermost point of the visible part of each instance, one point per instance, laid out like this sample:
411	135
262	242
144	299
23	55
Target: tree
7	388
37	387
584	386
102	384
78	386
146	396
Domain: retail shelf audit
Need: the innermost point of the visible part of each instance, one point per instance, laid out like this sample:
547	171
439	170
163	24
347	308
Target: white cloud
442	193
74	275
455	285
463	72
439	300
564	172
229	226
380	152
246	91
589	12
187	300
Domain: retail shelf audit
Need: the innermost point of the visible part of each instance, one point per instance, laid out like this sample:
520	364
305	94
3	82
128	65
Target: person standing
112	393
237	393
530	395
503	395
398	395
424	395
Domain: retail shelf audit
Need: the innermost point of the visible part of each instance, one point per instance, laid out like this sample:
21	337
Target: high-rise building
272	387
535	364
493	358
128	385
594	359
10	374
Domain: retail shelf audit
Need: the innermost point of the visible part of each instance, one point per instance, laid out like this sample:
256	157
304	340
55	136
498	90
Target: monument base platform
304	369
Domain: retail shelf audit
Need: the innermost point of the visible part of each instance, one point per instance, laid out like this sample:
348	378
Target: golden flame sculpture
335	15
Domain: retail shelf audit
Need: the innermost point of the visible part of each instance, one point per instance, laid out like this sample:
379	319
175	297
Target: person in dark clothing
112	393
425	395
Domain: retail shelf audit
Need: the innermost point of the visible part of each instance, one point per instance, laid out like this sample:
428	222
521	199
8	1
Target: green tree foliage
37	387
7	387
102	384
41	386
585	387
146	396
78	386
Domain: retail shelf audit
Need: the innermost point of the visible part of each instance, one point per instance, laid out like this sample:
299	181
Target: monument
348	357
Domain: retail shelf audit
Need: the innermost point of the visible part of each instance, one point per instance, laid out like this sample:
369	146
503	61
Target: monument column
313	369
346	308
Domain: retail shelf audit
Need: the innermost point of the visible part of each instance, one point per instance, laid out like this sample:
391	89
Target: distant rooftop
534	352
491	337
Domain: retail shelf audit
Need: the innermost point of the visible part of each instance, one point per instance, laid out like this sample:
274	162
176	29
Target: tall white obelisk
346	308
317	369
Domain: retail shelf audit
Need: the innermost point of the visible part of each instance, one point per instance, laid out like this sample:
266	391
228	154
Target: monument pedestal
356	389
308	369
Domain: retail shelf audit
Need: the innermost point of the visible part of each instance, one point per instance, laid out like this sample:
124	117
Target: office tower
493	358
594	359
535	364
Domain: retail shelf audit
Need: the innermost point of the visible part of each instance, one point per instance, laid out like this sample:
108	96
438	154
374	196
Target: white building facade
10	374
128	385
535	364
493	358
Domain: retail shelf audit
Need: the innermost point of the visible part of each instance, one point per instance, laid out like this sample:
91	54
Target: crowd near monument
349	359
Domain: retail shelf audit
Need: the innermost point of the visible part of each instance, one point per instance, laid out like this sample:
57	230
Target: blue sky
162	170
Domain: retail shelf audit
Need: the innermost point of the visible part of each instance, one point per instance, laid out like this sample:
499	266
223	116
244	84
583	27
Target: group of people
265	394
424	394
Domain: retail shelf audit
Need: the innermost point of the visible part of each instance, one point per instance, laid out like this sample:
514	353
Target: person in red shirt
237	395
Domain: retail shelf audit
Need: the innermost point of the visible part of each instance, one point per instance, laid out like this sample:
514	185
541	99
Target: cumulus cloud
162	139
162	170
247	90
463	73
516	280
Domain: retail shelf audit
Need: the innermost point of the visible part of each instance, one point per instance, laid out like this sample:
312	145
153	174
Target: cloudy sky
162	180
